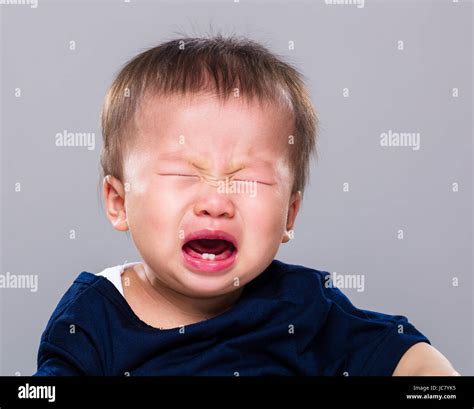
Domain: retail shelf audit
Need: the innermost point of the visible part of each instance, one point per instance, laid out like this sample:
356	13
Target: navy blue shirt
286	322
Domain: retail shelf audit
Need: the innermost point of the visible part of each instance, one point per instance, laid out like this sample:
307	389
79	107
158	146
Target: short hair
214	64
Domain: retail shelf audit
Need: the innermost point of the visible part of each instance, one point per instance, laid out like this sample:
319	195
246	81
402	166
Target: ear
293	209
114	197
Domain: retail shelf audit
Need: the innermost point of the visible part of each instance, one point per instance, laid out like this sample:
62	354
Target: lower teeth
207	256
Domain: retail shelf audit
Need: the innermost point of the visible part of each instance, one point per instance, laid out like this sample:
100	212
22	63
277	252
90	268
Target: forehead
201	125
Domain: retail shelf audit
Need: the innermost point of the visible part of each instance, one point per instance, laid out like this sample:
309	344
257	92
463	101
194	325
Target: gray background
347	232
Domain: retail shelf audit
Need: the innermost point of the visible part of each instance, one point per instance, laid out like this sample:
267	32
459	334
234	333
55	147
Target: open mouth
209	250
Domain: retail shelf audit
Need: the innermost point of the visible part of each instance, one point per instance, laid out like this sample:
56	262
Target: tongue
214	246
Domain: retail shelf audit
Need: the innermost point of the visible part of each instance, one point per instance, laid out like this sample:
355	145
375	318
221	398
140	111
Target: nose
214	204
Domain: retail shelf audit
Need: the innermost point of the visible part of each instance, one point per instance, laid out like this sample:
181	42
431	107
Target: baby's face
204	235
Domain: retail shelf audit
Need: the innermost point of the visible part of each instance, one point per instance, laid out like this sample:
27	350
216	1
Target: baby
206	151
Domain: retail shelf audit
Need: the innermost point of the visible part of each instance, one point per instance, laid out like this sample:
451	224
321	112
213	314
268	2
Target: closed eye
177	174
253	181
235	180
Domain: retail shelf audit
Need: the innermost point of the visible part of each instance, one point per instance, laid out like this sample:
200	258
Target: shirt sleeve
53	361
372	342
71	343
67	349
388	352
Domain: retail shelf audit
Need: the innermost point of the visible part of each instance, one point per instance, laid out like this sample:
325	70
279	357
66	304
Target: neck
193	309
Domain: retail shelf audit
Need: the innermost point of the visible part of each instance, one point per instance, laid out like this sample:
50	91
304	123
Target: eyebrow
197	162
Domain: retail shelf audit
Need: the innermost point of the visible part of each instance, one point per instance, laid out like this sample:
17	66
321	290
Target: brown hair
216	64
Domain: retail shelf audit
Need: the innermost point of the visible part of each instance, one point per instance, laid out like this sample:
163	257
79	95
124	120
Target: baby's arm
54	361
424	360
57	367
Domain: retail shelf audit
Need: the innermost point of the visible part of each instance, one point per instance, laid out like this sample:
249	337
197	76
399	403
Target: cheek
264	216
153	217
153	202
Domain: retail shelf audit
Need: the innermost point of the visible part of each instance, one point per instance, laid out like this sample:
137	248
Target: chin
205	286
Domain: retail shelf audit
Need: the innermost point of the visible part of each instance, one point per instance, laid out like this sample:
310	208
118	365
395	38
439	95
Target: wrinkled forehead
204	125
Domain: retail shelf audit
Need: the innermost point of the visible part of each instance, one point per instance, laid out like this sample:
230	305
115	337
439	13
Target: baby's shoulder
83	298
78	290
298	280
300	273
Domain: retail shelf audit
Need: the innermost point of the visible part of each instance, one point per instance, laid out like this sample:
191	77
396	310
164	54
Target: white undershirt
113	274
